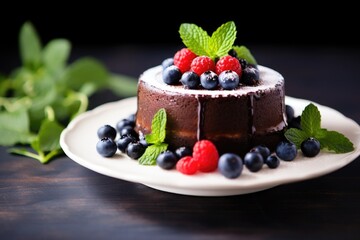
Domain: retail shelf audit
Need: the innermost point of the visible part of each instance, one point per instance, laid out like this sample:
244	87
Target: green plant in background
39	98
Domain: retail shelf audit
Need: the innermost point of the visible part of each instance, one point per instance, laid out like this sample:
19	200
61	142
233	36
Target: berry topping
229	80
187	165
171	75
183	59
310	147
250	76
166	160
228	63
190	80
253	161
206	155
167	62
209	80
202	64
230	165
106	147
106	131
286	150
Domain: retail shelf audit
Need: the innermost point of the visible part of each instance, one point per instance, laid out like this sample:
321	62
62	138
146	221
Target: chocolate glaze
234	122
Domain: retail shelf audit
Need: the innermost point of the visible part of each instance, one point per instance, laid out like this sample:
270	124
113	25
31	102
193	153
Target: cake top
269	79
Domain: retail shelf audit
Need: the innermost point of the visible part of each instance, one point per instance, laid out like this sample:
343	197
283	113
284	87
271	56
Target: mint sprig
155	139
42	95
311	127
199	42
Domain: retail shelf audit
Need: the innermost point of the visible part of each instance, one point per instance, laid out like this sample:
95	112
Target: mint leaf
200	43
244	52
30	46
222	40
56	54
158	125
195	38
296	136
335	141
311	120
151	153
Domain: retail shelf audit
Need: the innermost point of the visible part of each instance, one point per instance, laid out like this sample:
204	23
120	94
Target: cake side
235	120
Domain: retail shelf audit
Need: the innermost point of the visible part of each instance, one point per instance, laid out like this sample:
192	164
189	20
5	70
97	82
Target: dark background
105	24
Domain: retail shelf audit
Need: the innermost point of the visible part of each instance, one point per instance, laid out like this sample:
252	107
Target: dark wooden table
63	200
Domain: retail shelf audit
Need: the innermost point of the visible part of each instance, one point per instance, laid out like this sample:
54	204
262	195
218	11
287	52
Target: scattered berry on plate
230	165
135	150
286	150
183	151
166	160
206	155
106	147
106	131
123	142
253	161
310	147
187	165
272	161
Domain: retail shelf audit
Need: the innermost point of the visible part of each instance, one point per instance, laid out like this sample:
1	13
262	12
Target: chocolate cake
234	120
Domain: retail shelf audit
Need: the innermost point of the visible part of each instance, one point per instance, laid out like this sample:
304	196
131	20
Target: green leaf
122	85
151	153
86	71
56	54
335	141
49	135
222	39
158	128
195	38
14	128
30	46
296	136
311	119
244	53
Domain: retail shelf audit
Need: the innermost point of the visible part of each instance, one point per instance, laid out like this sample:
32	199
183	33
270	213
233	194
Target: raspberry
206	154
183	59
187	165
228	63
202	64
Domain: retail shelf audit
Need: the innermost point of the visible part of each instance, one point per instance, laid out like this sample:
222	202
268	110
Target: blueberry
167	63
250	76
166	160
243	63
183	151
209	80
106	131
253	161
106	147
135	150
132	119
228	79
232	52
230	165
124	123
190	79
290	113
272	161
286	150
127	130
123	142
262	149
295	122
172	75
310	147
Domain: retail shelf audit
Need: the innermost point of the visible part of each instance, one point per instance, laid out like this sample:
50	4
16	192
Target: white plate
79	139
